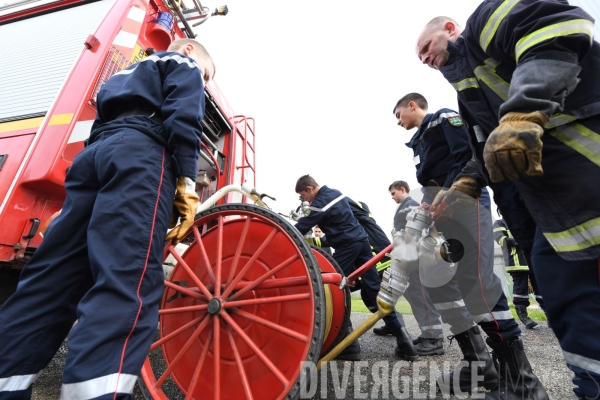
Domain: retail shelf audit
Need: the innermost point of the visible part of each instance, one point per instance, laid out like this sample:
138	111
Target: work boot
383	331
524	317
418	340
405	349
474	350
430	346
352	352
517	380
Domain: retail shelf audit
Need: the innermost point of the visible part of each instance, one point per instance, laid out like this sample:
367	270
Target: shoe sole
407	358
431	353
347	359
448	387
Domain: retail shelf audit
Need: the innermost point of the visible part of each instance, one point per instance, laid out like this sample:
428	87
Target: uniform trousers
521	289
474	293
100	264
571	290
427	316
351	256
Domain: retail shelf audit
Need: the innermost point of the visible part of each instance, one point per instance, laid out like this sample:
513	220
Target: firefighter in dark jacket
330	210
431	340
377	238
143	149
516	265
526	74
443	157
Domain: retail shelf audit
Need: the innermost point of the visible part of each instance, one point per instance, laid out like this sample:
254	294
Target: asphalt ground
379	375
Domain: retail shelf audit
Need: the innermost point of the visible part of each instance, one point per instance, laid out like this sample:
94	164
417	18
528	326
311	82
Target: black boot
517	380
430	346
352	352
406	348
473	349
383	331
524	317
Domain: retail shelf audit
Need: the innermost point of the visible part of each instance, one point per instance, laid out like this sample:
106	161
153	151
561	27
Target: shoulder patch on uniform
455	121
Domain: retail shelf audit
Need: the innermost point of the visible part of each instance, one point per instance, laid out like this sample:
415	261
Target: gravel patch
379	375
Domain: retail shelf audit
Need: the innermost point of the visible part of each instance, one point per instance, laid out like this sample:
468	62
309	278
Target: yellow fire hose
383	309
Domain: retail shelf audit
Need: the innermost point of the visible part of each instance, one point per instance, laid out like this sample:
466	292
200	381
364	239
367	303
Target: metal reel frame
242	310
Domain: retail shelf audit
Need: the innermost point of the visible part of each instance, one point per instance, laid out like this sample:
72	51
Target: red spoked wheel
337	301
242	310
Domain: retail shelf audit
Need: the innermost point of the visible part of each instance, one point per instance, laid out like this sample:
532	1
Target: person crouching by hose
100	262
330	210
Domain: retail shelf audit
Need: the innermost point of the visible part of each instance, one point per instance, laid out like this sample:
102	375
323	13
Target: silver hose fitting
416	246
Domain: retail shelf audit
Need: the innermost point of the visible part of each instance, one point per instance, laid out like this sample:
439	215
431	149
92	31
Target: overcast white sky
321	79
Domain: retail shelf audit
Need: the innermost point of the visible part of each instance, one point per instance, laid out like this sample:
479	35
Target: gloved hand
514	148
464	184
185	207
510	242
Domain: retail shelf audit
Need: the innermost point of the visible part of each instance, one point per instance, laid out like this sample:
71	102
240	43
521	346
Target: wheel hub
214	306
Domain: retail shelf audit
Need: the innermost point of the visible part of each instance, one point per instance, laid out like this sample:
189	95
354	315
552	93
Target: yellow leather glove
464	184
529	287
460	197
185	207
514	148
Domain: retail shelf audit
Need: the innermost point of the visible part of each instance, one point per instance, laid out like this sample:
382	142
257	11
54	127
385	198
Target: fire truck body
246	285
60	54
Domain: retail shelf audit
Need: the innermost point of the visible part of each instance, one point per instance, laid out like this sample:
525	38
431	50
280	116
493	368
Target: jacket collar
417	136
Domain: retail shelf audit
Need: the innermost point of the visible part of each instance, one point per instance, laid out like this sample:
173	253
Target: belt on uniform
141	128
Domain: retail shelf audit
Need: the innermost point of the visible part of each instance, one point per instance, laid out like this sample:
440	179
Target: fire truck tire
337	301
243	310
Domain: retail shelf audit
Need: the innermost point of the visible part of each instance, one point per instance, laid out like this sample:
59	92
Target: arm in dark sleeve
306	223
546	41
474	170
460	149
182	111
500	233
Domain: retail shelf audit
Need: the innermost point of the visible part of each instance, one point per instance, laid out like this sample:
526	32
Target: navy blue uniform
377	238
101	260
539	56
416	294
442	149
331	211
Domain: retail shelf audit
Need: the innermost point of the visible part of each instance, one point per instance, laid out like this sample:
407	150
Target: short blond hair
178	44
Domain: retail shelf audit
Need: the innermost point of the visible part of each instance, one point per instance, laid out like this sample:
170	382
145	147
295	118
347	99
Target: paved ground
380	376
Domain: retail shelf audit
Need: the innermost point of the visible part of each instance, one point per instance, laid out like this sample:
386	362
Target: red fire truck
47	102
246	300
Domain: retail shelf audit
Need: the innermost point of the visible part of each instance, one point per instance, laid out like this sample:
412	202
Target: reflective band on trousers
579	237
581	139
573	27
582	362
522	296
495	315
487	74
449	305
431	327
119	383
17	382
465	84
517	268
492	24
